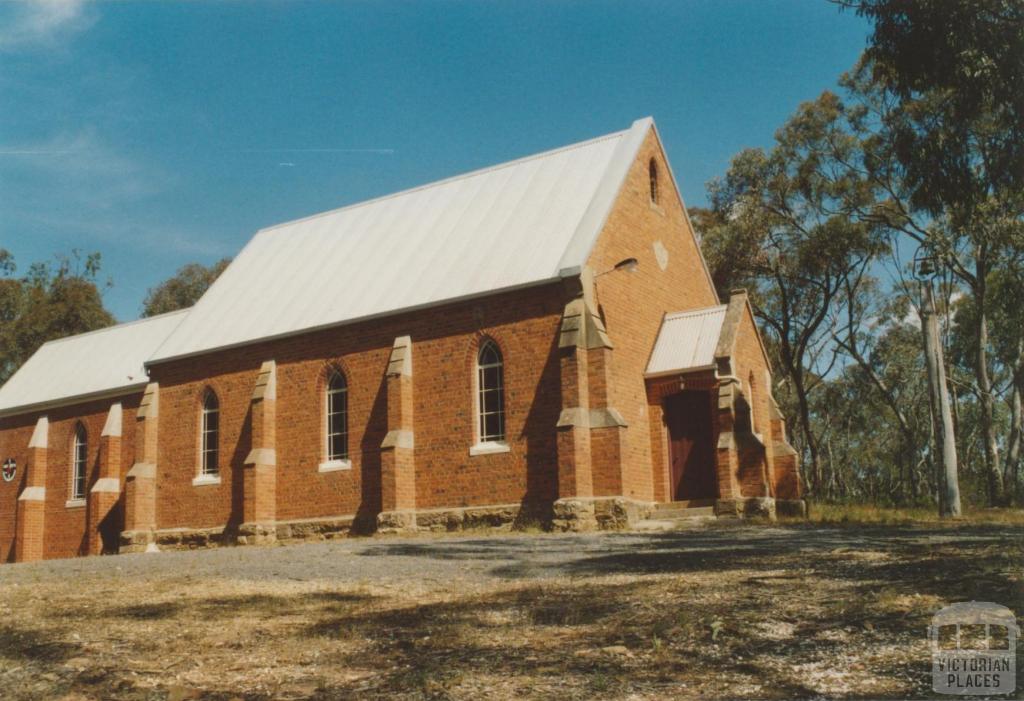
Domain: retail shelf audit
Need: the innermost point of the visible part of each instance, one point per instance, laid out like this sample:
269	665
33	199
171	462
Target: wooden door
692	471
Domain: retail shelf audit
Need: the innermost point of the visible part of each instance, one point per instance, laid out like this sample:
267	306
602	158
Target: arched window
337	417
490	393
209	458
652	170
79	459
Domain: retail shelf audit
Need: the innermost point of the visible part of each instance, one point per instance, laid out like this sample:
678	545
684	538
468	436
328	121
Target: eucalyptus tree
869	457
972	235
1007	360
953	73
779	226
52	300
874	334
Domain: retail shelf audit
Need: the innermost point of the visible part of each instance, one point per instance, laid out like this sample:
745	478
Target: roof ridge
120	325
440	219
445	181
701	310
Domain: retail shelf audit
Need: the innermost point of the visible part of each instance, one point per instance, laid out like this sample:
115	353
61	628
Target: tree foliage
957	69
183	289
52	300
906	155
955	73
779	226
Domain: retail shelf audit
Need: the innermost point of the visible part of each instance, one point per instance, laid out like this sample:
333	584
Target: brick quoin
582	421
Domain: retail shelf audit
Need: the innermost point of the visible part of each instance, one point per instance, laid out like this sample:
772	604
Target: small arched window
79	460
652	170
209	458
337	417
490	393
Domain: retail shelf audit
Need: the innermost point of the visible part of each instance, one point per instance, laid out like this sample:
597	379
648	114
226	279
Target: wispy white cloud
151	237
79	184
384	151
31	152
29	23
84	163
89	151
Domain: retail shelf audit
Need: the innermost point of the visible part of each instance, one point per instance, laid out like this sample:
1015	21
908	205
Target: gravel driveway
488	557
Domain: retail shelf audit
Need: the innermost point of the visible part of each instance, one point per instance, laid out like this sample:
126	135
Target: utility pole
938	395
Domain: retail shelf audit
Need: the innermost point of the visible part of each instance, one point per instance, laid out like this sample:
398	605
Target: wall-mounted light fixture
630	265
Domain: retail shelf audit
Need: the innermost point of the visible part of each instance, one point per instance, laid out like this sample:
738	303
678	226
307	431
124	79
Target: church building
538	342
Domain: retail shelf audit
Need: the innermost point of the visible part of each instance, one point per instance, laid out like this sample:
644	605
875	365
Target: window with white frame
337	417
490	393
79	460
209	456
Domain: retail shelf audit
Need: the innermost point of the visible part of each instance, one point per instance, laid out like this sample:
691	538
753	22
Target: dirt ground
722	611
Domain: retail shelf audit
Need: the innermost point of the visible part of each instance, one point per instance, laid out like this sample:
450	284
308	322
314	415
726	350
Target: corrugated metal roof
87	365
687	341
512	225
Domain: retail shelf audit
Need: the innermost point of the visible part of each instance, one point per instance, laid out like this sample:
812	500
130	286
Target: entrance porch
717	436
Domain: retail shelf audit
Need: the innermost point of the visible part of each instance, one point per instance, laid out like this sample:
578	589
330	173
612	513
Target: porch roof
687	341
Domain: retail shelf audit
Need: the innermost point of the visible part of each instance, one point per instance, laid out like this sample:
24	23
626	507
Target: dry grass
833	617
859	514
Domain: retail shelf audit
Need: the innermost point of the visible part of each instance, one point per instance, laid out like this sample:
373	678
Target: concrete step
681	511
656	525
675	515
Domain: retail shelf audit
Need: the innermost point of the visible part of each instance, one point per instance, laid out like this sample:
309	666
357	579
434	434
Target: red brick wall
15	433
64	527
633	303
444	341
660	458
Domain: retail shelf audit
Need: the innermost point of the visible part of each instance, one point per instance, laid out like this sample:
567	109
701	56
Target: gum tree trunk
987	405
945	438
1011	474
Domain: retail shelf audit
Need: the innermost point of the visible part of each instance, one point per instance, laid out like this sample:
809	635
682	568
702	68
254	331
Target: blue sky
161	133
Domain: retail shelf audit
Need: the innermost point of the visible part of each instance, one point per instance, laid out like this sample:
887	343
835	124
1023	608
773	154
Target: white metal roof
88	365
517	224
687	341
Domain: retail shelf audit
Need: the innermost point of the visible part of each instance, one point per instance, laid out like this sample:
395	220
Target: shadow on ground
780	612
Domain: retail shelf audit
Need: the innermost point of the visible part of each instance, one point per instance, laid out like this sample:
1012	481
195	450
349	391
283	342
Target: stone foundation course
565	515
